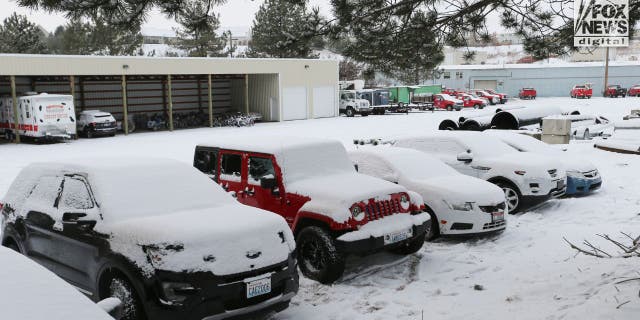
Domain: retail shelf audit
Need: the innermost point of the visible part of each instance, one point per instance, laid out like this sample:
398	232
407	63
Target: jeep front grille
380	209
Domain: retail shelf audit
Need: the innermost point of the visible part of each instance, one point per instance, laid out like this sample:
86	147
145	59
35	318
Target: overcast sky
236	13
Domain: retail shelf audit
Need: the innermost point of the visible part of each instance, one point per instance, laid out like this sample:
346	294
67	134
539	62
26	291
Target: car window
75	195
205	161
260	168
231	166
45	193
374	166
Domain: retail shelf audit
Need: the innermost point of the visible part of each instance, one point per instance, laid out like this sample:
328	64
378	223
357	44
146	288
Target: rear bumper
582	186
374	244
103	131
223	297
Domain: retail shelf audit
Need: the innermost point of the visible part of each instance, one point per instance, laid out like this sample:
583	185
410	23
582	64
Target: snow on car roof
31	292
170	186
299	158
411	162
478	143
521	141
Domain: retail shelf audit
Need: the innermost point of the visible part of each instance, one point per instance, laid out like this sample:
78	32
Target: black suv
154	233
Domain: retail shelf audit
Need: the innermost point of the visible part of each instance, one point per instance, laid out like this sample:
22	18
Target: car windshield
579	87
348	96
522	142
418	165
485	146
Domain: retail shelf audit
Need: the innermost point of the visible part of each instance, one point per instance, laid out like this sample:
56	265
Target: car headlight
464	206
574	174
357	212
404	201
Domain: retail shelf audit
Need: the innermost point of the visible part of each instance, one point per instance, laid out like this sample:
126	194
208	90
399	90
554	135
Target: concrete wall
549	81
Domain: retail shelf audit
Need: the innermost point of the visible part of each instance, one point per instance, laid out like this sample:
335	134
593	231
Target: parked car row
226	237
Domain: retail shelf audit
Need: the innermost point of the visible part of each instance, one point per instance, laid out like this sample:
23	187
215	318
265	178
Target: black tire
512	195
119	287
588	97
365	114
318	257
350	112
411	246
13	246
434	231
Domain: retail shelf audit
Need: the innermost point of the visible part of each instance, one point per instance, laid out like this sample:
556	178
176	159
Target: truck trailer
40	117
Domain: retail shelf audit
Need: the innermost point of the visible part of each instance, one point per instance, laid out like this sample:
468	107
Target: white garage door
485	84
294	103
324	102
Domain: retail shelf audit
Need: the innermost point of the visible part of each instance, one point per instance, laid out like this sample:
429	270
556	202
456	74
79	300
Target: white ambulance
40	116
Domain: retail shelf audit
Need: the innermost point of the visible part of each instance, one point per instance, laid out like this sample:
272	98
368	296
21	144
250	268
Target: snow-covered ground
527	272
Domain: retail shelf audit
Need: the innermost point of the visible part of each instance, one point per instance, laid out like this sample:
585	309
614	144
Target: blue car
582	176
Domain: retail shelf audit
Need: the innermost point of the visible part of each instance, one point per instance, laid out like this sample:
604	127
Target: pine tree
283	30
96	37
19	35
197	33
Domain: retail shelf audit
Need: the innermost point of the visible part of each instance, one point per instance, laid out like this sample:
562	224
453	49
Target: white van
40	116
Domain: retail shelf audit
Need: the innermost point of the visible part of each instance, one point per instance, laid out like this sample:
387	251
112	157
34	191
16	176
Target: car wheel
411	246
512	195
350	112
318	256
121	288
434	230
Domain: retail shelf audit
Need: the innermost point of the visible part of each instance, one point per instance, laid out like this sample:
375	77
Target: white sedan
458	204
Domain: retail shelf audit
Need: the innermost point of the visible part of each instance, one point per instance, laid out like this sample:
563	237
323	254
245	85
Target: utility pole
606	71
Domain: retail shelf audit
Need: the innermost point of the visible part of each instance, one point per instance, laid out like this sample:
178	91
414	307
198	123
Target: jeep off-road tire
411	246
318	256
350	112
119	287
512	196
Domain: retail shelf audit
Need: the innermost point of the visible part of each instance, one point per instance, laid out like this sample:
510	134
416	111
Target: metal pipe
170	102
210	101
14	99
125	121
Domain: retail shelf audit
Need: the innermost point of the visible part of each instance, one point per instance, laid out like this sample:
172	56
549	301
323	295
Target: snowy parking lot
527	272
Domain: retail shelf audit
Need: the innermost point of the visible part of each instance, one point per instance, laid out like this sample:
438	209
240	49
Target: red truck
492	98
446	102
634	91
527	93
333	210
472	101
581	91
614	91
503	96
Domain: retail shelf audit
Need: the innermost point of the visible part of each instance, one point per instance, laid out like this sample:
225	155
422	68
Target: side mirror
465	157
113	306
74	220
268	183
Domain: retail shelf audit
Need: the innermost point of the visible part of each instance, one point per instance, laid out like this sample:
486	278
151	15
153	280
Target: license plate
497	216
397	236
258	287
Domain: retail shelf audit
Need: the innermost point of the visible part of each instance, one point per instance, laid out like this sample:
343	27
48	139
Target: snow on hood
387	225
31	292
334	195
534	164
218	240
575	163
457	188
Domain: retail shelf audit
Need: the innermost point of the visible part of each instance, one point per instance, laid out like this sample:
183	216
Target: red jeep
472	101
333	210
581	91
527	93
503	96
634	91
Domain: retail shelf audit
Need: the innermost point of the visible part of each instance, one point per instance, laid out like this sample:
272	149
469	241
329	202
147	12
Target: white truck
351	105
40	116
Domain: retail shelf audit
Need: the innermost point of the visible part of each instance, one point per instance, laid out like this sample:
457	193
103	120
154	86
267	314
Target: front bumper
222	297
374	244
475	222
582	185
